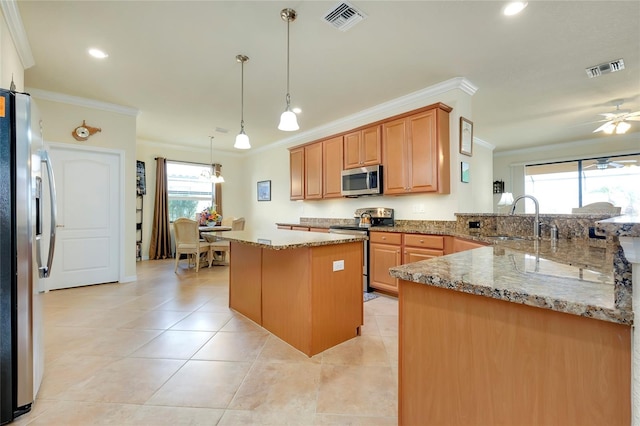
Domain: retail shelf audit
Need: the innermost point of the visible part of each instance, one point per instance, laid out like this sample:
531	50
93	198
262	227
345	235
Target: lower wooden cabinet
460	244
385	251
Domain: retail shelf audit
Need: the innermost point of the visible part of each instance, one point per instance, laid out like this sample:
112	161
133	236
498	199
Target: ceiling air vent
343	16
607	67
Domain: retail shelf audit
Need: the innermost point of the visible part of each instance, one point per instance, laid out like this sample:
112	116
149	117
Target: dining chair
602	207
223	247
187	236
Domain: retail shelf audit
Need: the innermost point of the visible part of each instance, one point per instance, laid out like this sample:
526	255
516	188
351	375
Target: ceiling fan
617	121
605	163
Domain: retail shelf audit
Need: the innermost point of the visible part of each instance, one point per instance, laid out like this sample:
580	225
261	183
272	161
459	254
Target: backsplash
570	226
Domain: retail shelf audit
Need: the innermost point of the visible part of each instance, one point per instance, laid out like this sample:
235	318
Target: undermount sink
505	238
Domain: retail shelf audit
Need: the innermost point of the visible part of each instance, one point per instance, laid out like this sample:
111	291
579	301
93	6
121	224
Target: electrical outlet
474	225
338	265
420	208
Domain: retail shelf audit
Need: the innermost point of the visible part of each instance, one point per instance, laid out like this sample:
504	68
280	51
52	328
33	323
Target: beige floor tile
116	342
276	350
239	322
169	416
203	321
174	345
357	390
67	370
391	345
334	419
217	304
262	418
383	305
370	326
146	302
362	350
209	384
387	325
156	320
286	387
129	380
233	346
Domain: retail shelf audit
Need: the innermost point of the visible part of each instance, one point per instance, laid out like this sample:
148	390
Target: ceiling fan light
242	141
514	7
288	121
622	127
609	128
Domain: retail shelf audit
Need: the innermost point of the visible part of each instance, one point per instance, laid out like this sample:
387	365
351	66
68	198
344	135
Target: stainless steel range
364	219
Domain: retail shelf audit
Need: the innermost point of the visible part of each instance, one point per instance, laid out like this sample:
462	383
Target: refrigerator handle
46	270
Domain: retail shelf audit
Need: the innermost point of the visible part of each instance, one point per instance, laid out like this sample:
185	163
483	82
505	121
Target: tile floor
167	350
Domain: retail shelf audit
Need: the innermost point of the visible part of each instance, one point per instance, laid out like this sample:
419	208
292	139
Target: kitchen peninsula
520	332
304	287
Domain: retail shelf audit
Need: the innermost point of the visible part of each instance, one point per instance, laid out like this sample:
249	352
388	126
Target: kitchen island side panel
472	360
337	296
245	281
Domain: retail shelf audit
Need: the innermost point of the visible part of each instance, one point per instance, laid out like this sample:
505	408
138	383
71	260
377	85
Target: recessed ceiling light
296	110
97	53
514	7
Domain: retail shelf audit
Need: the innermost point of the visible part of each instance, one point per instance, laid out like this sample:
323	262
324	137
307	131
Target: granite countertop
568	276
279	239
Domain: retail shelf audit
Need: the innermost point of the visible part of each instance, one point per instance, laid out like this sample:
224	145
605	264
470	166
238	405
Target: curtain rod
187	162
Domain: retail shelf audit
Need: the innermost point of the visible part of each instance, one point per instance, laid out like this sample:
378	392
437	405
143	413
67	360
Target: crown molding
82	102
184	147
484	143
375	113
18	34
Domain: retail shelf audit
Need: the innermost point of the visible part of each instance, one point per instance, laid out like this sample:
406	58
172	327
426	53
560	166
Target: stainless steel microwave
362	181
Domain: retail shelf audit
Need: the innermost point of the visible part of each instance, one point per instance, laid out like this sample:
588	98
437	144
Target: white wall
272	163
10	64
509	165
234	189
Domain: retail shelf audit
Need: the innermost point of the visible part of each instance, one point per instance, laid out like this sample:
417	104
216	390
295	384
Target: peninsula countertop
567	276
279	239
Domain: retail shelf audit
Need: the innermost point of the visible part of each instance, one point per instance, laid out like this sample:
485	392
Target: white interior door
87	241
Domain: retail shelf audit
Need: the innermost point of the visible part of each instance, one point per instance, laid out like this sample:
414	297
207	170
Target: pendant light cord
288	50
242	97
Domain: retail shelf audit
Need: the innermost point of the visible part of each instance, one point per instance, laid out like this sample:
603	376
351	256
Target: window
189	192
561	186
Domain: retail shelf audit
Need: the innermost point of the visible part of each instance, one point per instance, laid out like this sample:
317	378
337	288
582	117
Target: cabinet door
381	258
412	254
395	171
296	164
422	148
332	167
352	150
371	146
313	171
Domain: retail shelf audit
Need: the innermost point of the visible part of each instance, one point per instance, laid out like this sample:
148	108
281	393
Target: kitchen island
304	287
520	332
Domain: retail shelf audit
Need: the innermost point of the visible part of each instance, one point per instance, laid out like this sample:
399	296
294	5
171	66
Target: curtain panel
160	243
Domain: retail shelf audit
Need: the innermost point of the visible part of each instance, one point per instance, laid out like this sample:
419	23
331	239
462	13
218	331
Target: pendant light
242	140
288	119
215	175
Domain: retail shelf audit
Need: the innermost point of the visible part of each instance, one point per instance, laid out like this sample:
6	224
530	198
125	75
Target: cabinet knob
421	241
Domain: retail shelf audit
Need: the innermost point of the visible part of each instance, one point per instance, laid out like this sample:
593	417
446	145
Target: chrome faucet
536	220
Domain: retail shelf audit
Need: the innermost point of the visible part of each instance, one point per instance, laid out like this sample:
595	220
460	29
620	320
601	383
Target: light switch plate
338	265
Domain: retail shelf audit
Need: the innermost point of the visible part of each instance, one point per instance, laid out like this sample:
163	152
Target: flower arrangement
209	214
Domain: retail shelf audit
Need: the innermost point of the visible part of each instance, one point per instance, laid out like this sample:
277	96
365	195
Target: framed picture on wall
466	136
264	190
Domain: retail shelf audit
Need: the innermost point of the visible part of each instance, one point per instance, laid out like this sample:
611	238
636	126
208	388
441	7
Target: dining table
210	234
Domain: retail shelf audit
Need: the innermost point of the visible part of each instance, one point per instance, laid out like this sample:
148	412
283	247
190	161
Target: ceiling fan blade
601	128
616	165
634	118
590	165
633	114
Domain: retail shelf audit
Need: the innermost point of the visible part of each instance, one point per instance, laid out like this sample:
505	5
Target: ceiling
175	62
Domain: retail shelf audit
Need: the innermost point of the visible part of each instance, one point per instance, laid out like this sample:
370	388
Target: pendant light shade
288	119
242	140
215	174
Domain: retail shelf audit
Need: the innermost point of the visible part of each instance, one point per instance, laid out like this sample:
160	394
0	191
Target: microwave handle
372	177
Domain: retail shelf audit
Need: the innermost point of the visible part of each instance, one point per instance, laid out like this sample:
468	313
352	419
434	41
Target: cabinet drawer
424	241
299	228
326	230
385	237
284	227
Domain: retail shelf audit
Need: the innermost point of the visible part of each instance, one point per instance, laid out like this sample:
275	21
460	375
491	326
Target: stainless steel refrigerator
27	222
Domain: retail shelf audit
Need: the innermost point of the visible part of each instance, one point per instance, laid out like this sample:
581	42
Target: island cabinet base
302	300
472	360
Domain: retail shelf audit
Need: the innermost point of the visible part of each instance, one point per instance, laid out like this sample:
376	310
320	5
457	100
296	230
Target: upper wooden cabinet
332	167
363	148
296	165
313	171
415	152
